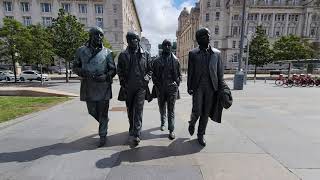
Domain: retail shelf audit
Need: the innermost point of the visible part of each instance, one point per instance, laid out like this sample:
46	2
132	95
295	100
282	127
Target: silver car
7	75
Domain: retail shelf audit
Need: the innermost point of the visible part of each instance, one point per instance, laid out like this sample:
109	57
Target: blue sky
159	19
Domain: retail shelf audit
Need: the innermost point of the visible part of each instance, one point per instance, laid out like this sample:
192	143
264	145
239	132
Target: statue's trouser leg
135	105
162	109
99	110
201	104
171	101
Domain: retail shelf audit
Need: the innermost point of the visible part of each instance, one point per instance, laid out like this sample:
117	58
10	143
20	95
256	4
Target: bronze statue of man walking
205	81
166	77
94	64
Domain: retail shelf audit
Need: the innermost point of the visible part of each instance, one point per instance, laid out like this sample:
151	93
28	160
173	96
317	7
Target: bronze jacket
123	71
89	67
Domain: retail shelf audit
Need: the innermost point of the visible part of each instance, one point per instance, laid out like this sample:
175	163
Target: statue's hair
93	30
201	32
166	41
132	35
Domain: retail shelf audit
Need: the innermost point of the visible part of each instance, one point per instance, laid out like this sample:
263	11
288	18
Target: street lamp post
239	76
248	37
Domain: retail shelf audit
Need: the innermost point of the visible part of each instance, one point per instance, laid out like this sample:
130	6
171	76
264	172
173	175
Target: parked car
33	75
57	69
7	75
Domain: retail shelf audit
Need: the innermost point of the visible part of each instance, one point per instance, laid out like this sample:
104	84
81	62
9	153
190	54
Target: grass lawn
13	106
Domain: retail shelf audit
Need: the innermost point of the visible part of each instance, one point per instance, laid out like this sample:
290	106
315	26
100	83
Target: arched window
314	30
278	29
251	27
292	28
235	30
266	27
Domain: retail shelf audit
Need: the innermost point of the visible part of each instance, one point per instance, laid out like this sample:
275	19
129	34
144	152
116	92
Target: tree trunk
70	71
67	77
289	69
41	74
14	68
255	73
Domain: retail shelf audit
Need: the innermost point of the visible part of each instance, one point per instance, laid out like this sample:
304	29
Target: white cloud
159	20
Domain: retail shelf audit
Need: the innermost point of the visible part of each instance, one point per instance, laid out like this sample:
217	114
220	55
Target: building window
46	21
208	4
83	8
115	8
116	23
313	30
10	17
217	16
45	7
292	29
235	17
239	44
83	21
99	8
236	2
8	6
207	17
216	44
218	3
252	17
235	31
293	17
27	20
235	57
99	22
278	29
234	44
279	17
116	37
66	7
25	6
266	17
216	30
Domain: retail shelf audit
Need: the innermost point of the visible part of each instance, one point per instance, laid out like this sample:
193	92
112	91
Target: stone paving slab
155	173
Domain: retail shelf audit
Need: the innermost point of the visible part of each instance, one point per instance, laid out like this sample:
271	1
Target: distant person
95	66
166	77
134	71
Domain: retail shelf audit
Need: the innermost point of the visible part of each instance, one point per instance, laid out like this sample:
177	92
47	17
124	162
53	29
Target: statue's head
203	36
166	46
132	40
96	36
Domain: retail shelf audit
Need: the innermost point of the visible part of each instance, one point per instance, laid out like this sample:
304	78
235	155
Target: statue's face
166	47
97	38
204	39
133	43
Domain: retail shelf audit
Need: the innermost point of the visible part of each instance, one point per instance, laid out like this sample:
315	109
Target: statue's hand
190	92
100	78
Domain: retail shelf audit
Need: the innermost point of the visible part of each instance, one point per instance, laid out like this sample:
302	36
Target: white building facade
278	18
115	17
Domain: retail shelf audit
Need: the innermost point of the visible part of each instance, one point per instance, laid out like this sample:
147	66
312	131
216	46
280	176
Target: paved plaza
270	133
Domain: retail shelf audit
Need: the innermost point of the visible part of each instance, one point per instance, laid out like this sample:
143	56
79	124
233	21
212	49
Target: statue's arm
220	73
112	70
179	72
76	67
149	67
190	73
121	69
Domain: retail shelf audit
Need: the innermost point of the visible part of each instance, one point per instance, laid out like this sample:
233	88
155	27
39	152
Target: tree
259	50
292	48
13	39
68	35
41	50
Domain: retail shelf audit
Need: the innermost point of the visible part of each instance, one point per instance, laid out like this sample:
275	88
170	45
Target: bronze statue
205	81
166	77
94	64
134	71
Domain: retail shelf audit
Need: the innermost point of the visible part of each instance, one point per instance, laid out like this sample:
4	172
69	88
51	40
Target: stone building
187	26
278	18
145	44
115	17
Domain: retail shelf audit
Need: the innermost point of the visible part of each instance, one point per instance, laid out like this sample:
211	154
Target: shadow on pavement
83	144
179	147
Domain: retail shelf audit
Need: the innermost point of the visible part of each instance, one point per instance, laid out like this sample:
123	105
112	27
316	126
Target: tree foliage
260	52
68	35
292	48
14	39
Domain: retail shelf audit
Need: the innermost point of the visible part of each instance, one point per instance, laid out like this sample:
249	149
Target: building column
272	26
259	19
305	28
286	25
